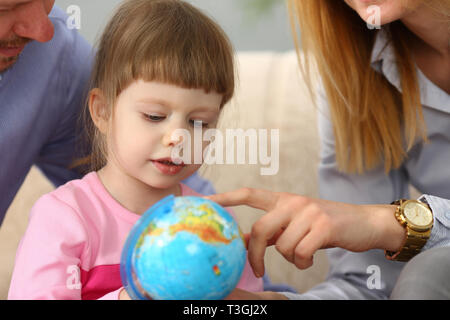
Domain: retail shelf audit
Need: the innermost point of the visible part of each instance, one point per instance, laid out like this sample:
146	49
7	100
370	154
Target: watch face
418	214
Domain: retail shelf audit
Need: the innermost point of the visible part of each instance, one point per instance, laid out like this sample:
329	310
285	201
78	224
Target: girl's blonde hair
169	41
371	118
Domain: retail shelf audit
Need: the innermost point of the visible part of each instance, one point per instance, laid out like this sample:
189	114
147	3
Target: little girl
162	65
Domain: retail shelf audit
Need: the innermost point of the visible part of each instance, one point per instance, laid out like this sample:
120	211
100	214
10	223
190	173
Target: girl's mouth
168	166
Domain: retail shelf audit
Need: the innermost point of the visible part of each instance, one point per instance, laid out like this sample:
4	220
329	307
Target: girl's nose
175	136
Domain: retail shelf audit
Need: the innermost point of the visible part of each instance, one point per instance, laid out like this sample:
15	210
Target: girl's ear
98	109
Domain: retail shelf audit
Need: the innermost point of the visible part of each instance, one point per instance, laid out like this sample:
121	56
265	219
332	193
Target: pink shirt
73	243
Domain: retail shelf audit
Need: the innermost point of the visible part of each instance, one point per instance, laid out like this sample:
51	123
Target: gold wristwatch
417	218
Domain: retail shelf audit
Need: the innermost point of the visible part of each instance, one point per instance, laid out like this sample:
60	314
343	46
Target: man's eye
154	118
198	123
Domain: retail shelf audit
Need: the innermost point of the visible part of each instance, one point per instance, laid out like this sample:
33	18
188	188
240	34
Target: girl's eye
154	118
198	122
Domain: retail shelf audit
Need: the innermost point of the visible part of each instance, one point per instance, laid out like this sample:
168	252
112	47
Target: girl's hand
299	226
123	295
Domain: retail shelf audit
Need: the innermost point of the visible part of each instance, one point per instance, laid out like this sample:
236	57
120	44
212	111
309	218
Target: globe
183	248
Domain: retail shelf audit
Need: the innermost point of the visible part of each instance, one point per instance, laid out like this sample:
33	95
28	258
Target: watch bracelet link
413	245
414	240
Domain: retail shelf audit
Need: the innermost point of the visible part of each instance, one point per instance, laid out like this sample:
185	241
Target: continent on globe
207	226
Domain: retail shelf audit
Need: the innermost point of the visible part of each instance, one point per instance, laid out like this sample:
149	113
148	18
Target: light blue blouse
427	168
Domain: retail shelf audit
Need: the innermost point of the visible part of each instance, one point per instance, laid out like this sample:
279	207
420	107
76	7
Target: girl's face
389	10
140	140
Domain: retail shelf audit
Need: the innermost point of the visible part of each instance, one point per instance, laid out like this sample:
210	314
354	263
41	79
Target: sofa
270	94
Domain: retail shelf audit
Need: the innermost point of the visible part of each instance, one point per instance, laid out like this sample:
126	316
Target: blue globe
183	248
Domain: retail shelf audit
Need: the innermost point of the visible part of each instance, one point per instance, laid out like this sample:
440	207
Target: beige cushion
271	95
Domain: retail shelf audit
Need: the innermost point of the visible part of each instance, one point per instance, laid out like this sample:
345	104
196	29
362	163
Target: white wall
269	31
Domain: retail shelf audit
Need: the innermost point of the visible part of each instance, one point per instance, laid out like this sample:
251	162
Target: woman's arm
299	226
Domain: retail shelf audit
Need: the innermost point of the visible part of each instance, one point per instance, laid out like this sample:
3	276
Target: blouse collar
383	60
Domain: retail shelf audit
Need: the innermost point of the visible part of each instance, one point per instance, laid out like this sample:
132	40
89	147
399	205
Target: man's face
22	21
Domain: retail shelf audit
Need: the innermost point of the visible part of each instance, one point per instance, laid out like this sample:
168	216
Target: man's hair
168	41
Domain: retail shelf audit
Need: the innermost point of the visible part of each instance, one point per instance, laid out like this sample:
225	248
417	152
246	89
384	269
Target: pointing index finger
256	198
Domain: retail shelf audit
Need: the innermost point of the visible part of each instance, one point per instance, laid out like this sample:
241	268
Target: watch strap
412	246
414	241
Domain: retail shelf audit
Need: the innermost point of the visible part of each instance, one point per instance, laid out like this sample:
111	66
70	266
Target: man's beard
7	62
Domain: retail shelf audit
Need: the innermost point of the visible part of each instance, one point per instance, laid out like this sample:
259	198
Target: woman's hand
239	294
299	226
